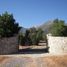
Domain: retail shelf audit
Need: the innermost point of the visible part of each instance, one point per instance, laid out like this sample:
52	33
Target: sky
29	13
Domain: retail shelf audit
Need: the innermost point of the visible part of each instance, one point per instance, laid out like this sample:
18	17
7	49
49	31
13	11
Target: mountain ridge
46	26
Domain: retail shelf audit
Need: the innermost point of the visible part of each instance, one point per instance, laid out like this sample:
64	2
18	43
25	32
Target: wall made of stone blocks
9	45
57	44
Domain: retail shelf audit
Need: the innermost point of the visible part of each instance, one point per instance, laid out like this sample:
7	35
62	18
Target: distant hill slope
46	27
23	30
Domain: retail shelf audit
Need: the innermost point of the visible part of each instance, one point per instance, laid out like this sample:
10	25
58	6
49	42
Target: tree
32	30
27	38
64	32
33	38
32	35
21	39
8	25
39	35
36	35
58	28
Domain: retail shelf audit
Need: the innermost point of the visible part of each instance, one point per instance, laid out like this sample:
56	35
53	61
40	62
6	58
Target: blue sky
30	13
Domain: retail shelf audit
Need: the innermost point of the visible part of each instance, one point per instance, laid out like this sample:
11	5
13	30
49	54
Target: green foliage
21	39
36	35
8	26
39	34
27	38
59	28
31	37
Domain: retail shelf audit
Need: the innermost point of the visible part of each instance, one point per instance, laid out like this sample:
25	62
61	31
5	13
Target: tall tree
8	25
58	28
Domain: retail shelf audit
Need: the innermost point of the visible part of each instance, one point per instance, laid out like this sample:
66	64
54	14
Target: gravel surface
33	61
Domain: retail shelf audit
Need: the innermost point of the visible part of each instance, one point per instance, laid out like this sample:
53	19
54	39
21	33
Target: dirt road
47	61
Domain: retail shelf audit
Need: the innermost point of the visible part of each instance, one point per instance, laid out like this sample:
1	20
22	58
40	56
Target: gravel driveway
22	61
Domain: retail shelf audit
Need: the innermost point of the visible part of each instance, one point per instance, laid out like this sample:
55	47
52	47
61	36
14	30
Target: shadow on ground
32	51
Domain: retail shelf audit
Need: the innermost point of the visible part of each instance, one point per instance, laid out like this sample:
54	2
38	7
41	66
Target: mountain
23	30
46	27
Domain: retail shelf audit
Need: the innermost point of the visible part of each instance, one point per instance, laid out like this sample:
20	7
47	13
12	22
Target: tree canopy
8	25
32	36
59	28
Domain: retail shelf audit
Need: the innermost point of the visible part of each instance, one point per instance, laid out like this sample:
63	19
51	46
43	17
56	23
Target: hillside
22	30
46	27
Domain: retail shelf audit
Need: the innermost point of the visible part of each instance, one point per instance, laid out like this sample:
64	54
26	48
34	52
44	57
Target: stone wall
9	45
57	44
